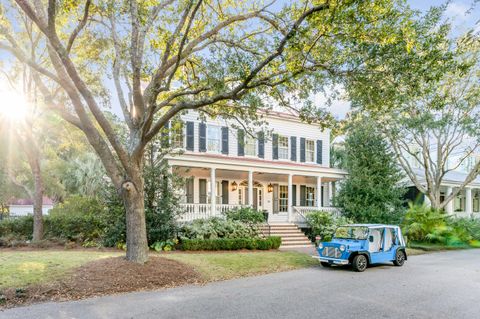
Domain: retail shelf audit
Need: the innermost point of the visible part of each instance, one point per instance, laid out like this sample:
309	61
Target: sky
455	12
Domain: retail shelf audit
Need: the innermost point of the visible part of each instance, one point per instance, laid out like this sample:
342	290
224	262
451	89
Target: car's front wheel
399	258
325	264
360	263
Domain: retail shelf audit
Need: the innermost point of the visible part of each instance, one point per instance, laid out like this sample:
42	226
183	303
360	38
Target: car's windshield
352	232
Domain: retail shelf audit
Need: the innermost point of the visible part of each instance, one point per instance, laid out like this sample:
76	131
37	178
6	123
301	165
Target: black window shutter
293	148
189	187
241	142
275	146
302	149
165	139
202	185
303	195
202	140
225	192
225	140
261	144
319	151
190	136
294	195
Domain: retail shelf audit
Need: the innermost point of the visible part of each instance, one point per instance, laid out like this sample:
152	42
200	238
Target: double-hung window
310	196
283	147
310	151
177	135
214	139
250	146
283	199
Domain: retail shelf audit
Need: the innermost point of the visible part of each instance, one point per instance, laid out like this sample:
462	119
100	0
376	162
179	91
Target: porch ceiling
243	175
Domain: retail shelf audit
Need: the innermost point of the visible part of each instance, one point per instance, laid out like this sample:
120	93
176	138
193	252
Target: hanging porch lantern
270	188
234	186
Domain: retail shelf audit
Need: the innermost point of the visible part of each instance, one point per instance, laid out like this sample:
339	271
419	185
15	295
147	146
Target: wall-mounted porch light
234	186
270	188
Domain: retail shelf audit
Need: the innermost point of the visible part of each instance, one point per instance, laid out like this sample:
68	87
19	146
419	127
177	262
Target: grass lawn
22	268
436	247
220	266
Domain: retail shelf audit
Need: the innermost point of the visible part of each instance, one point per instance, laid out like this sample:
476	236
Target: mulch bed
104	277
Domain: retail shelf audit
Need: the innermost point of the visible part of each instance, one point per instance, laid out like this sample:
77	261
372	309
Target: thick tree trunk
37	201
133	198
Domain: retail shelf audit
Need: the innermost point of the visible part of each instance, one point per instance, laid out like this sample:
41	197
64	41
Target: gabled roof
452	177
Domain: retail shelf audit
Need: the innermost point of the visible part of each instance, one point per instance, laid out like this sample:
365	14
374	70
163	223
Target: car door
384	252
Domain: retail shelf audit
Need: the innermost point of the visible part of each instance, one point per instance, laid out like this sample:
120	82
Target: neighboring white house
283	169
23	207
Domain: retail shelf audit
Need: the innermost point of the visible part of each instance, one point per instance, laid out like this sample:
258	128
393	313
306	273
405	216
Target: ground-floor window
310	196
459	203
283	198
476	202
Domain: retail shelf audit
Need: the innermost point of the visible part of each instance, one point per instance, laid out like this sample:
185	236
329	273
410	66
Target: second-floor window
283	147
250	146
177	135
310	151
214	139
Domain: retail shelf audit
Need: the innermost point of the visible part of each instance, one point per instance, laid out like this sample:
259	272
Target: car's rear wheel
360	263
399	258
325	264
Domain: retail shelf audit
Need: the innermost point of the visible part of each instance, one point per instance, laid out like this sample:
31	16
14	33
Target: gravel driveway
437	285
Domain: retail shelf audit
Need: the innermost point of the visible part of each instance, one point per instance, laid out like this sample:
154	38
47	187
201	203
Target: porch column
213	192
330	193
468	200
290	197
319	192
250	188
449	206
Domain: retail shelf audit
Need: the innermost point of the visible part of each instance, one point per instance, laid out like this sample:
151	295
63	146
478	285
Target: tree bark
133	198
37	202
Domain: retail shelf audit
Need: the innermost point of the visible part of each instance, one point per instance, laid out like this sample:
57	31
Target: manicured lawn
220	266
436	247
19	269
22	268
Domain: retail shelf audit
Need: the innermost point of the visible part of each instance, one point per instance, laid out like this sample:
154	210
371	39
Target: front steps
292	236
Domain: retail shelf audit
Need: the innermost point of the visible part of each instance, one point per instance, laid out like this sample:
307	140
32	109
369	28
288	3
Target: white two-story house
283	168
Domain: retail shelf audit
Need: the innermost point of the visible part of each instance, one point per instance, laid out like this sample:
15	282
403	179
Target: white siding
285	127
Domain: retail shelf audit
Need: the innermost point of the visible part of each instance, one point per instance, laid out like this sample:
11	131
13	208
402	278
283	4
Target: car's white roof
372	225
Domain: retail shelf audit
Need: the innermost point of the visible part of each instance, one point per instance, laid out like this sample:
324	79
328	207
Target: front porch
286	196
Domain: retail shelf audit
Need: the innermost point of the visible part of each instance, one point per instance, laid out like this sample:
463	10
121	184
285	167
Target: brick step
283	228
295	243
290	236
288	231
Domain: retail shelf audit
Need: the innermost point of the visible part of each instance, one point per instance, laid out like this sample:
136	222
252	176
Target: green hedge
232	243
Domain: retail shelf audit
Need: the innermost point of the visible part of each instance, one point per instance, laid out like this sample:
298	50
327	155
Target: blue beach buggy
360	245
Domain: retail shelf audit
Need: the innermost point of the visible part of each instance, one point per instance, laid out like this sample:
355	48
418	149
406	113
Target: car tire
325	264
360	263
399	258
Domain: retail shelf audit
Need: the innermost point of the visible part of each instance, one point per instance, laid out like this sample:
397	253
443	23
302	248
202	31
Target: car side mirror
370	239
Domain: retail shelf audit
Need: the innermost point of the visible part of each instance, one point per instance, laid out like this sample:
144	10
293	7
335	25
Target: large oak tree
162	58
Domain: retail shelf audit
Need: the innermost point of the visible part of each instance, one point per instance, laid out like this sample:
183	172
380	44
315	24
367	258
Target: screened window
310	196
177	135
250	146
283	147
214	138
310	151
283	198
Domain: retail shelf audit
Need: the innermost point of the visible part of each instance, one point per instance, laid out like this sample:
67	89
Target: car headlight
342	248
320	245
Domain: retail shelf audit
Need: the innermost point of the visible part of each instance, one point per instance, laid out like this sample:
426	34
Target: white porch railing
204	211
300	212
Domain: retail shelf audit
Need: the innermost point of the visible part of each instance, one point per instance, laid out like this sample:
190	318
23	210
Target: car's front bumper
334	261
